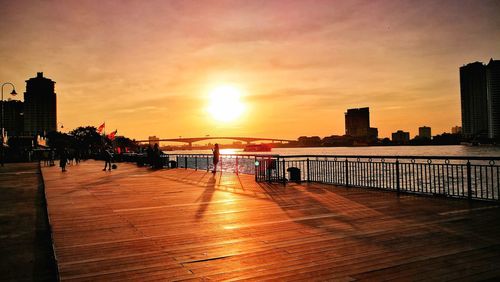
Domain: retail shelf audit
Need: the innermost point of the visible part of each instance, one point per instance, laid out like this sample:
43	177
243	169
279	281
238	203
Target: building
493	98
357	123
40	106
154	140
424	132
401	137
456	130
473	95
13	117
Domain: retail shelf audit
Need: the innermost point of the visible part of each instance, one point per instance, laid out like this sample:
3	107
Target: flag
101	128
111	136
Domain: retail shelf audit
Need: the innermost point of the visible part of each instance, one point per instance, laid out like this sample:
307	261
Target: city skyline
148	69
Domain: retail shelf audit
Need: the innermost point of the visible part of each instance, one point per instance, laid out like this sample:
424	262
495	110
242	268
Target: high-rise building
474	100
424	132
40	106
493	94
357	122
401	137
13	117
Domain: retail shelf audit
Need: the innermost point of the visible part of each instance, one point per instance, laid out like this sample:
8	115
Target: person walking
63	160
108	157
216	156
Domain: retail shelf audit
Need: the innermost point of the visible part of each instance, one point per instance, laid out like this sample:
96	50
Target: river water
455	150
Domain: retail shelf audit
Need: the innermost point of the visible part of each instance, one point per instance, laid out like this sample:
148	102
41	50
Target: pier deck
138	224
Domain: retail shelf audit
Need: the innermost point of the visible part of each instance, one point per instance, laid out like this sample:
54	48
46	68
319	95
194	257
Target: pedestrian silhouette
108	157
63	159
216	153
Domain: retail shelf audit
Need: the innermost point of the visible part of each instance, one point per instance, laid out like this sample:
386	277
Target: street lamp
13	93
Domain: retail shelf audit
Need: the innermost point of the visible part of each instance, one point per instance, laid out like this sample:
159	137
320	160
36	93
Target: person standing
63	160
216	156
108	156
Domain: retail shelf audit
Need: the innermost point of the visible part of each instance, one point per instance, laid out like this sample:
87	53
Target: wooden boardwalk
139	224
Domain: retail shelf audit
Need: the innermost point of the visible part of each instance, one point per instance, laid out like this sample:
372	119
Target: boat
257	148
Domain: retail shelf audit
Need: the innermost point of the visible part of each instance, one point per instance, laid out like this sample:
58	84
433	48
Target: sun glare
225	104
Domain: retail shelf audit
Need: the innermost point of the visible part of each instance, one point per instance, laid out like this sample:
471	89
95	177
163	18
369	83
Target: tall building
357	123
40	106
401	137
493	94
474	100
13	117
424	132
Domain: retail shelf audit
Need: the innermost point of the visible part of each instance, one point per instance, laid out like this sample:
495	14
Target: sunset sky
148	67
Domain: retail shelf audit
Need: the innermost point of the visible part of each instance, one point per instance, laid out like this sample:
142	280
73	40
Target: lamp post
13	93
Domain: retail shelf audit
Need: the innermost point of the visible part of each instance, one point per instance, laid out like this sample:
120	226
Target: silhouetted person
216	157
149	155
157	156
108	157
63	160
52	157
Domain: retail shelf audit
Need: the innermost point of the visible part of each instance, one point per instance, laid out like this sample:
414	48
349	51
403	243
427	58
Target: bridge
192	140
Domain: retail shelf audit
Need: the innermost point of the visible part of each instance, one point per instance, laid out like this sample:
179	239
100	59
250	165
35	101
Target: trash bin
172	164
294	174
140	161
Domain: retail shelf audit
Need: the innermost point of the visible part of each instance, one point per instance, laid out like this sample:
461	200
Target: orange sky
146	67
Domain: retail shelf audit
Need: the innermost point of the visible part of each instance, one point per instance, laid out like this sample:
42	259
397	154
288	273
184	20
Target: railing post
255	168
185	162
196	163
397	176
237	165
469	181
284	173
208	164
307	168
346	172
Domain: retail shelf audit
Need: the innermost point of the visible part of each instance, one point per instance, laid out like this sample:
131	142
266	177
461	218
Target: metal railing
461	177
236	163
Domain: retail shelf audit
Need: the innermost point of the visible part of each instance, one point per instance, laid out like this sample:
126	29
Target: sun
225	104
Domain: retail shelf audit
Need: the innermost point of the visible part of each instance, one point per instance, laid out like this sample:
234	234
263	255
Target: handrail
393	157
352	156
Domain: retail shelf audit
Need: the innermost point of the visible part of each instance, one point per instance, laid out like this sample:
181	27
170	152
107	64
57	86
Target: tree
60	140
87	139
123	143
